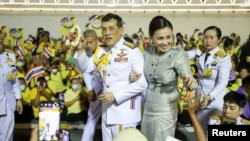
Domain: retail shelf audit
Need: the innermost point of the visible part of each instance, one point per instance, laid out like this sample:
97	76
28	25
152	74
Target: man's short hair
236	98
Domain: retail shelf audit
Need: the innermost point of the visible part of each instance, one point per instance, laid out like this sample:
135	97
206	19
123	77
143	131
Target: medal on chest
9	61
207	72
121	56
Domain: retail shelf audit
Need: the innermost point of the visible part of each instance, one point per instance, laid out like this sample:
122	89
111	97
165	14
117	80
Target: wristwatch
18	100
211	98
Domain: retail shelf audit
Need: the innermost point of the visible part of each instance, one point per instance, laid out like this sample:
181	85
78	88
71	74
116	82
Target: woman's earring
152	43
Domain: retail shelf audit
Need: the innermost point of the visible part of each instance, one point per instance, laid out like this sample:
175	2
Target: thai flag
47	53
34	72
29	76
17	42
38	71
20	51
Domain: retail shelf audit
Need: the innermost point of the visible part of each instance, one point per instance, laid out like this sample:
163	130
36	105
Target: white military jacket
93	80
213	76
9	84
121	60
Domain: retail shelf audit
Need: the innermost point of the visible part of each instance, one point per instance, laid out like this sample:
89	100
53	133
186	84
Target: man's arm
82	59
136	87
88	82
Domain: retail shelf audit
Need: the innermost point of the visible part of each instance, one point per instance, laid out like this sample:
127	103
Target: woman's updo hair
158	22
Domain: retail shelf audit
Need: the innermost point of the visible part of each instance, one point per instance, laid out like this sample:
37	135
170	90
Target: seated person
39	93
244	90
70	71
73	100
57	78
233	107
233	85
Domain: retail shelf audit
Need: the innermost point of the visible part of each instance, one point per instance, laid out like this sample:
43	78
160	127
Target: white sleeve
82	61
192	54
88	80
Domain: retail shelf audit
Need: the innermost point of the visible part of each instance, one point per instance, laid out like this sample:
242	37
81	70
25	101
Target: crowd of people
112	78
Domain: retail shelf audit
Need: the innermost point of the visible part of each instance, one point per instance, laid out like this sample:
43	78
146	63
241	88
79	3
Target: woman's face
243	73
210	39
163	39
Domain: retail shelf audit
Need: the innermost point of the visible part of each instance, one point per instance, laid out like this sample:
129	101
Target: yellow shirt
52	51
20	74
78	106
57	79
26	96
63	66
58	47
199	43
69	53
42	45
52	43
52	86
73	74
33	94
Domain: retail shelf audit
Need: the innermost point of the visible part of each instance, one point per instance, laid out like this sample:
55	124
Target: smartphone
65	135
49	121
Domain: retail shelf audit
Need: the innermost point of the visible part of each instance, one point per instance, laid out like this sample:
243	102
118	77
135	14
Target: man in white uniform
121	99
10	93
93	82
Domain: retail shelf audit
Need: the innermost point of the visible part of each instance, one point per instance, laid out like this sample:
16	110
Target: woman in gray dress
164	63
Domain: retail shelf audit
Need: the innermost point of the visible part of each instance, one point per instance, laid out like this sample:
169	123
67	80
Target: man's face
231	110
111	33
91	43
21	81
200	37
82	44
62	58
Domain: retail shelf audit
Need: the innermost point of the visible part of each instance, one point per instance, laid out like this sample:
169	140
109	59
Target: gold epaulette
131	45
202	49
220	53
247	122
192	62
9	51
215	117
193	69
